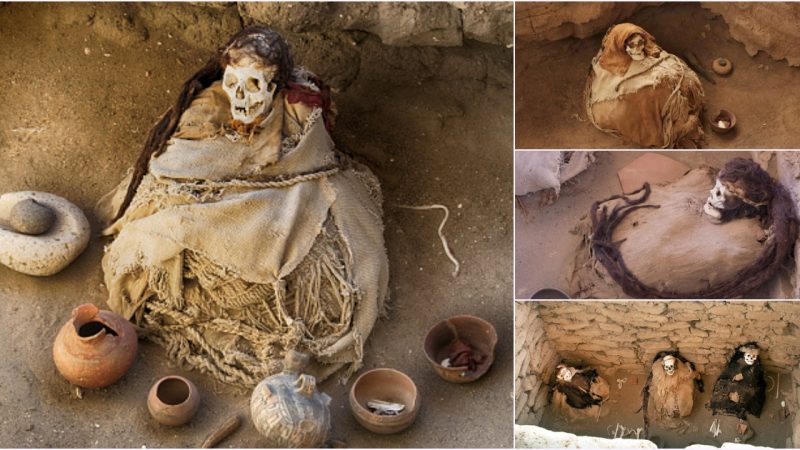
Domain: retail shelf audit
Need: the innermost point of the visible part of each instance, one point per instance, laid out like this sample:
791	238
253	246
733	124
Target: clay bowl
173	400
549	294
388	385
726	116
475	332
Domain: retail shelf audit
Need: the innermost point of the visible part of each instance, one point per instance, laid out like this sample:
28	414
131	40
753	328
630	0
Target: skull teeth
247	111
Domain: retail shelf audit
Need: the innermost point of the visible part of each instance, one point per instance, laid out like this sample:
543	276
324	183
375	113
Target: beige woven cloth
675	247
232	253
655	102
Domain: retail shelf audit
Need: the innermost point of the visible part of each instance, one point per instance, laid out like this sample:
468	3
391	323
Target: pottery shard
774	29
31	217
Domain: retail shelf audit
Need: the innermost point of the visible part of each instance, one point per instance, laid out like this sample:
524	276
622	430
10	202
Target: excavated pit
620	339
83	83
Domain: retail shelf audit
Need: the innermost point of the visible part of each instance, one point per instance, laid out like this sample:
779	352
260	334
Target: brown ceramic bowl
475	332
388	385
725	116
173	400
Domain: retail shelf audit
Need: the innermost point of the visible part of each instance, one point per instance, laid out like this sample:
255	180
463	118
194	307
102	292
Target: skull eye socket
253	84
231	80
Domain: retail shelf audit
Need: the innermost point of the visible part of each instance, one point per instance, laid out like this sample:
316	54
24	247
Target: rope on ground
441	234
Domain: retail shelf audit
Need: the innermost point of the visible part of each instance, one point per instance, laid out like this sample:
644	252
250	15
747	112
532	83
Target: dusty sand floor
763	93
770	430
545	247
72	124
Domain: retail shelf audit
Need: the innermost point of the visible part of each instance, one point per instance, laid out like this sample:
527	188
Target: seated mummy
712	233
642	93
243	233
741	388
579	393
669	390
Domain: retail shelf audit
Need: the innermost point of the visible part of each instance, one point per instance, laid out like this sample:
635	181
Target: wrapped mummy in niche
642	93
242	233
741	388
668	393
579	393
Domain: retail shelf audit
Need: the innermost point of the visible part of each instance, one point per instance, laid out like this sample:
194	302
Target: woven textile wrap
655	102
673	247
233	253
597	388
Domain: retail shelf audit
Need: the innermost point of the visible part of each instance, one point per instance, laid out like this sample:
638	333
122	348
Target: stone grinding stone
32	218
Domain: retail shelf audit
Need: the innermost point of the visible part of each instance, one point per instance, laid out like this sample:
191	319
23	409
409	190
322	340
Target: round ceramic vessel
387	385
475	332
722	66
723	115
173	401
288	410
95	348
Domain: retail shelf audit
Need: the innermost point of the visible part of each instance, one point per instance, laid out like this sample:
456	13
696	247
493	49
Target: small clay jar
95	347
288	410
173	400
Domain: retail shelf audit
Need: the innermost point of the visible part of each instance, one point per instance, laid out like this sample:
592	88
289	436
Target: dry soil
762	92
81	85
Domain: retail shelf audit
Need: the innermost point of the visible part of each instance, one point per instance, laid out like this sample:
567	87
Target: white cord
441	234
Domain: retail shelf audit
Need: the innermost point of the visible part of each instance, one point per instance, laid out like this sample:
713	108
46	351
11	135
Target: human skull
634	46
669	364
720	199
250	89
750	355
565	373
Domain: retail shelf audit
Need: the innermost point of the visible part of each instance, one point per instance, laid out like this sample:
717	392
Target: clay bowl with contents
723	121
173	400
386	385
458	335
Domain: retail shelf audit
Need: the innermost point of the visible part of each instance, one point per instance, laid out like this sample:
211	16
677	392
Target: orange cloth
614	58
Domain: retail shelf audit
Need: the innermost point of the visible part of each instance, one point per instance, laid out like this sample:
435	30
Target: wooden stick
222	432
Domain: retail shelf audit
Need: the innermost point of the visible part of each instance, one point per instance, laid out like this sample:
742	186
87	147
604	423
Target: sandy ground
771	429
550	112
72	123
545	247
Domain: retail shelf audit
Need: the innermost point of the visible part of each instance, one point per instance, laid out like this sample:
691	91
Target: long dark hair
255	40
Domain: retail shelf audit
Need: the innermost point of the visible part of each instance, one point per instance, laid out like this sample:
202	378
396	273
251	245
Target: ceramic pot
95	347
725	116
387	385
288	410
173	400
473	331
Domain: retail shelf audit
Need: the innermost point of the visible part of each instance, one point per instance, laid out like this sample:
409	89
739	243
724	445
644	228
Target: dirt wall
546	21
629	334
443	24
536	359
772	27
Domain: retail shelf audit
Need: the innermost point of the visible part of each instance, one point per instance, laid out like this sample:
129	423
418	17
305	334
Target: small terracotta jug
95	347
287	408
173	400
